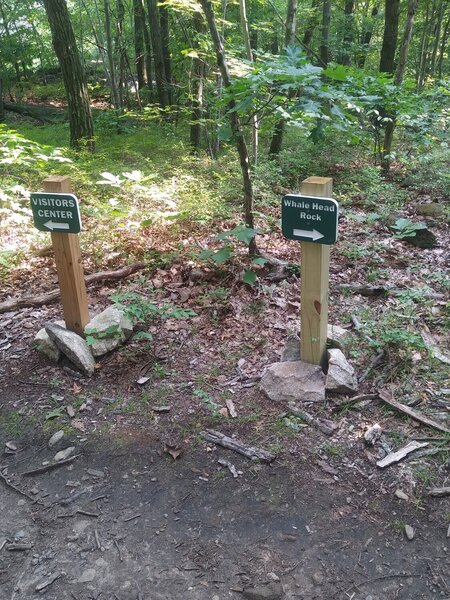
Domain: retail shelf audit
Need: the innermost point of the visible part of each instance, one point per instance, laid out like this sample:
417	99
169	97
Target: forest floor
146	511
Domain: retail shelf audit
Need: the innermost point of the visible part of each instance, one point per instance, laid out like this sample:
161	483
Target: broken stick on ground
324	425
386	397
232	444
395	457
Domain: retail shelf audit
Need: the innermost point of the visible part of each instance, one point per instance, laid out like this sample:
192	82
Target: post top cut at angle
309	218
54	211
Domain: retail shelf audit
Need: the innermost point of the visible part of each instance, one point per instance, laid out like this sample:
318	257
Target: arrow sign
56	212
314	235
309	218
51	225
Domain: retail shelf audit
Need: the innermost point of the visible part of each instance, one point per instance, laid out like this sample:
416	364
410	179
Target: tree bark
391	16
289	40
2	107
165	38
248	50
158	53
398	78
197	88
139	46
79	109
325	42
309	31
366	37
443	46
110	51
349	31
235	122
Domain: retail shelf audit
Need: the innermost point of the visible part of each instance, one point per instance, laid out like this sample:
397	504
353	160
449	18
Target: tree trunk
2	107
423	67
158	53
391	15
436	35
120	50
164	21
349	30
115	98
148	54
80	117
325	42
198	77
289	40
309	31
443	46
367	37
398	78
235	122
139	47
248	50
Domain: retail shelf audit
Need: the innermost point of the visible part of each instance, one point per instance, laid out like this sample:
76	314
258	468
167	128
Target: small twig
439	492
120	553
16	489
324	425
50	466
132	518
386	397
97	540
87	513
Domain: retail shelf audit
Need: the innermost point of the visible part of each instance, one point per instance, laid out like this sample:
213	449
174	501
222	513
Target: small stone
21	502
409	532
318	578
341	375
271	591
58	435
70	411
73	346
372	434
87	575
338	337
294	381
108	330
63	454
291	350
44	344
401	495
448	531
95	473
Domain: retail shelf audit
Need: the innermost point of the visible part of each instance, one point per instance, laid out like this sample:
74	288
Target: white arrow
52	225
314	234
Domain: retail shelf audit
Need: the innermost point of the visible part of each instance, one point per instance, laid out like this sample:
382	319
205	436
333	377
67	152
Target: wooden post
66	247
315	268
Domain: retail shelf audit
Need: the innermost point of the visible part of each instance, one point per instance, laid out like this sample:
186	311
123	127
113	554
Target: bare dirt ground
126	519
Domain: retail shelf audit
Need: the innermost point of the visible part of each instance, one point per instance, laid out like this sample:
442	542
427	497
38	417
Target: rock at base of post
294	381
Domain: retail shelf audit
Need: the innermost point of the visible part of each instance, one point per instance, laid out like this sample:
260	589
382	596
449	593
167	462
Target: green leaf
223	254
205	254
57	412
249	277
142	335
259	260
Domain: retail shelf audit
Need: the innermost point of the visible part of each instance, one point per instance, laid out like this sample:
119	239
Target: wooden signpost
312	218
56	210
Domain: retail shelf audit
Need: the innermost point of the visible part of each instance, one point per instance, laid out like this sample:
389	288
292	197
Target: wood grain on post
66	247
315	269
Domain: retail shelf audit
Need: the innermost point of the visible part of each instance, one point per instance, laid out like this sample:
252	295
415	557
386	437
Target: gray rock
294	381
58	435
44	344
63	454
338	337
432	209
109	329
73	346
409	532
341	375
270	591
291	350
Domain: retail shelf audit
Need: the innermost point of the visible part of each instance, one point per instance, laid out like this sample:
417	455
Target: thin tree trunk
139	47
325	42
79	109
398	78
248	50
158	53
2	107
120	50
310	27
235	123
349	32
391	16
436	35
367	38
110	51
289	40
443	46
148	55
197	88
164	21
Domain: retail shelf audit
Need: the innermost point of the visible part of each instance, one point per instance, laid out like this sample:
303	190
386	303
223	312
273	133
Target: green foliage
207	401
142	309
405	228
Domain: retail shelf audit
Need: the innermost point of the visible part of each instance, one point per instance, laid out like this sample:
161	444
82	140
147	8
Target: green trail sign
309	219
56	212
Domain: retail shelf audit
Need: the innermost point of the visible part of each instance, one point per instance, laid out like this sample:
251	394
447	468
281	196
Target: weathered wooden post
312	218
56	210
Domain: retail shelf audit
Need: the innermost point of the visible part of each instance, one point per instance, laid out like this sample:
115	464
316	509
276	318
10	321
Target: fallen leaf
76	389
174	451
78	424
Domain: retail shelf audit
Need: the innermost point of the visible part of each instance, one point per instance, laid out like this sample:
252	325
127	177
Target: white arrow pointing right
52	225
314	235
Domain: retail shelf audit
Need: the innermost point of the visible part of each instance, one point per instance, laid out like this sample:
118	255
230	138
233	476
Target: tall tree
398	79
198	77
391	16
139	42
79	109
249	53
349	32
289	40
110	51
235	121
325	41
366	36
158	53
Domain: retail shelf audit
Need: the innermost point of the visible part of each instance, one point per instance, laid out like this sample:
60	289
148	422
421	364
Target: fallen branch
49	297
375	291
395	457
232	444
434	350
324	425
439	492
50	466
16	489
27	111
386	397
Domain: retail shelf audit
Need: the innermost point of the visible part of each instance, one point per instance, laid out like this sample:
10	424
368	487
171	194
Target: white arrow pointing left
52	225
313	235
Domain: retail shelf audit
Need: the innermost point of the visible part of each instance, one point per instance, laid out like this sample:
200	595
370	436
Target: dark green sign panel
56	212
309	219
